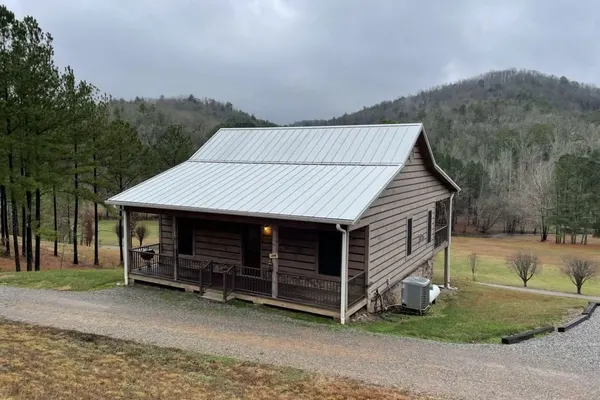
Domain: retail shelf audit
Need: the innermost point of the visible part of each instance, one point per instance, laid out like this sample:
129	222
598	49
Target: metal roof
354	144
319	193
320	174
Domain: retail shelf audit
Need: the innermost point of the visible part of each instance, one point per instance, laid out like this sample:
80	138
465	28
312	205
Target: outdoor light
267	230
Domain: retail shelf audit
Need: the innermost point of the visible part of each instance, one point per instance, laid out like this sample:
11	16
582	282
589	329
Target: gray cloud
287	60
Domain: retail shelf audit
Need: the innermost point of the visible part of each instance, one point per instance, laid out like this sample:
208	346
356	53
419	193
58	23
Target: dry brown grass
44	363
109	257
549	252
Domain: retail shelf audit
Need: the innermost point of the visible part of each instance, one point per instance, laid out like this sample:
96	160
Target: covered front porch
314	268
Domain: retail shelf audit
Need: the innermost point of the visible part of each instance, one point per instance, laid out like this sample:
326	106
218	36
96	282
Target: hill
198	118
512	140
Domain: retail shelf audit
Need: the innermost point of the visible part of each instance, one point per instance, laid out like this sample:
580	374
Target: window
330	253
409	236
429	220
185	236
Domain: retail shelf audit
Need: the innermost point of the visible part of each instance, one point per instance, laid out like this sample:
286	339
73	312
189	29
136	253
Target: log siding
412	194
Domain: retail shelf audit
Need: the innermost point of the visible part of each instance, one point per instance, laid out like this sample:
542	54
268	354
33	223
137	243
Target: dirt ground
109	257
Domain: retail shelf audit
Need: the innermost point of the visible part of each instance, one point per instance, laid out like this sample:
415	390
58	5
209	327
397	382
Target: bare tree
539	194
525	265
473	263
141	232
580	270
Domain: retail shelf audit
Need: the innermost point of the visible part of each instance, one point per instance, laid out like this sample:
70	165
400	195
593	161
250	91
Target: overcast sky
287	60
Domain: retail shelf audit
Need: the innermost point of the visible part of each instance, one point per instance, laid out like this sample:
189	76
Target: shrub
141	232
525	265
580	271
473	264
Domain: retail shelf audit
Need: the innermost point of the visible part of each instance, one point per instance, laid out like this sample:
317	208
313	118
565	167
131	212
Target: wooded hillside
523	146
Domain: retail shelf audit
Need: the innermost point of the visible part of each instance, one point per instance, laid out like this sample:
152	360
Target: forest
65	147
523	146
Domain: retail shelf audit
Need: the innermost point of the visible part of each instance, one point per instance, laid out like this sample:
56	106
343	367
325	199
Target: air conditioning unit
416	294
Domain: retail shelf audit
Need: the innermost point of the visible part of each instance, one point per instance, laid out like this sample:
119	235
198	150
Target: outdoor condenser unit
416	293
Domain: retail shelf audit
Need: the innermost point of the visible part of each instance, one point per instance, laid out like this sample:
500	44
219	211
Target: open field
477	313
492	254
45	363
107	236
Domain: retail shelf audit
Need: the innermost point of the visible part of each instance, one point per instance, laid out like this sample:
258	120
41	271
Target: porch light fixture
267	230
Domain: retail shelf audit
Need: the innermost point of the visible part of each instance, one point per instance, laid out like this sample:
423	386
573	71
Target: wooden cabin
318	219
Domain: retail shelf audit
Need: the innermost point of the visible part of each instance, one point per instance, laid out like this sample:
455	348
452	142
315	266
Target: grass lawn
477	313
492	254
43	363
65	279
107	236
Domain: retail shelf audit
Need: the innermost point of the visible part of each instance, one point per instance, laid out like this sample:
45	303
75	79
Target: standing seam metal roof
320	174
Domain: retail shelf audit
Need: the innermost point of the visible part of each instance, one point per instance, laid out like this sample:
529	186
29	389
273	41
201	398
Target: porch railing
311	290
441	236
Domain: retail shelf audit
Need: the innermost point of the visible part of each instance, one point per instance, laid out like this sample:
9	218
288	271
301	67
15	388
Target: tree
525	265
580	270
473	264
539	190
141	232
124	163
171	148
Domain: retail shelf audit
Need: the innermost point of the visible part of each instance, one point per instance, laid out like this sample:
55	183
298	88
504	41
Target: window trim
409	240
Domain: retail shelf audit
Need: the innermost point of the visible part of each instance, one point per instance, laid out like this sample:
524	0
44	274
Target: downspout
447	255
344	275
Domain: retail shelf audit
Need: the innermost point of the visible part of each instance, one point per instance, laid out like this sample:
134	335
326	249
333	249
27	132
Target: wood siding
298	248
410	195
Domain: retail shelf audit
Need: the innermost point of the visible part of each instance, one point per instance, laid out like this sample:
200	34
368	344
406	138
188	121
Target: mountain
515	141
493	98
198	118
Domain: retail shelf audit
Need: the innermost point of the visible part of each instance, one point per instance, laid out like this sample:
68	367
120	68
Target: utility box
415	293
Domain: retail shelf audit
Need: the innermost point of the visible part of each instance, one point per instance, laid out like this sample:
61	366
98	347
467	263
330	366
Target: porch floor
249	287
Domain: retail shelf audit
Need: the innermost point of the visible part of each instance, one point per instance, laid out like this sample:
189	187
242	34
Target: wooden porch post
175	248
447	249
343	275
275	261
126	245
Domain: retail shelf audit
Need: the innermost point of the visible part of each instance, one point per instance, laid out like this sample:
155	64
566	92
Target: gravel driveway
559	366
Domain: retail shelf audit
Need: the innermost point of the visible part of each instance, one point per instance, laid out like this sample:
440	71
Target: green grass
492	267
107	236
76	280
478	314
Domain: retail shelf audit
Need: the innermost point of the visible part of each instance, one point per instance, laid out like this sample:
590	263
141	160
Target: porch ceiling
303	192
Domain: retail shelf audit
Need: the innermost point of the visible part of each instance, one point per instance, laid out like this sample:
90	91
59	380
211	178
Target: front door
251	246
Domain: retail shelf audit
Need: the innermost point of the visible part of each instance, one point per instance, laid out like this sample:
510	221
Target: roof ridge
350	164
256	128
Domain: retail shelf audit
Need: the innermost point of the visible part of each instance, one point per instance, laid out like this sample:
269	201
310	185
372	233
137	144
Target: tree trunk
76	211
23	231
3	228
15	212
38	224
29	233
578	289
5	235
76	206
55	222
524	283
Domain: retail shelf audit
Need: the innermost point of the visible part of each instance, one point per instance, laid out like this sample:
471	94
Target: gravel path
560	366
543	292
